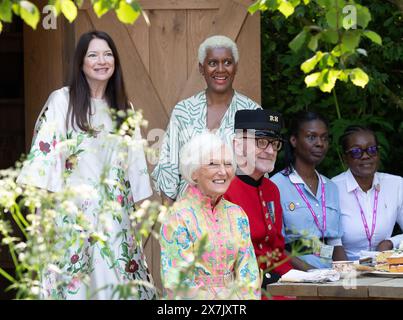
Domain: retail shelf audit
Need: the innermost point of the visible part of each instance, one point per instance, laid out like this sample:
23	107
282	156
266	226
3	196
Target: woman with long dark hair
72	148
309	200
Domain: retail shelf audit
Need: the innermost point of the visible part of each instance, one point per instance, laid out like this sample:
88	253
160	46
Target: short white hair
199	148
218	42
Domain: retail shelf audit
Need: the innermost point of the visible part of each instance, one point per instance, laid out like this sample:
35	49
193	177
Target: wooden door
160	60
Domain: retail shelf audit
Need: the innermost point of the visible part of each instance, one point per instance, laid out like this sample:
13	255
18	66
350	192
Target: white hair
218	42
197	150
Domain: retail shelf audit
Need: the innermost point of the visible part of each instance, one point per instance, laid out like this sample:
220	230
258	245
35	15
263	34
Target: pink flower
74	258
44	147
54	142
73	285
120	199
131	266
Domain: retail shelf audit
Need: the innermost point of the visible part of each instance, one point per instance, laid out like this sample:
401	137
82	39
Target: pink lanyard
364	220
322	230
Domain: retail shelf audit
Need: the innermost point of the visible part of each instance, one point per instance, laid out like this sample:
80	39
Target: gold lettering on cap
274	118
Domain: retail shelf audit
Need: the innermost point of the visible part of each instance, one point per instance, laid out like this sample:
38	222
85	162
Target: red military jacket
261	202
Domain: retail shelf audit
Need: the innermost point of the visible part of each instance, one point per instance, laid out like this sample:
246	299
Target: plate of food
387	264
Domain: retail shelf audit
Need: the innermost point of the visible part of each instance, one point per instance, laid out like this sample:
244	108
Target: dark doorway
12	126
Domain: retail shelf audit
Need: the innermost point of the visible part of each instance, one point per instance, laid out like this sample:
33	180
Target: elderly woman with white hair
206	249
213	108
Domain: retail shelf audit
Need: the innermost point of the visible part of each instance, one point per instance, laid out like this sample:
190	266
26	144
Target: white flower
54	268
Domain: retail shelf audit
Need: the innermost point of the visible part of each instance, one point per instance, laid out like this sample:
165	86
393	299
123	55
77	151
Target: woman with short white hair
213	109
206	249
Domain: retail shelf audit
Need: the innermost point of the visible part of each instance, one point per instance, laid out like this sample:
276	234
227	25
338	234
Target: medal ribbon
315	218
364	220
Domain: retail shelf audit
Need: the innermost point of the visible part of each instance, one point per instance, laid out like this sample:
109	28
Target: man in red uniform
257	141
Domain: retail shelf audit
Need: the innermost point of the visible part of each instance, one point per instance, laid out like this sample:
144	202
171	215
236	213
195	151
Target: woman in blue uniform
310	202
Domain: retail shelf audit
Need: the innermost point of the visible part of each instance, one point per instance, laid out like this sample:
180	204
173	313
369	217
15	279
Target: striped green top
188	119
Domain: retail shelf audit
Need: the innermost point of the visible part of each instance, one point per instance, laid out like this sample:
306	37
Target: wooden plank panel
140	89
43	64
178	4
348	288
228	21
197	32
293	289
248	76
82	24
390	289
168	67
140	34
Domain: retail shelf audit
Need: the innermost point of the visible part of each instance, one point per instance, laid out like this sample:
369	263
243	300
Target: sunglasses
357	153
263	143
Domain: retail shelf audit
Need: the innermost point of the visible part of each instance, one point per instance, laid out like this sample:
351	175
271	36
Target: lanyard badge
322	228
364	220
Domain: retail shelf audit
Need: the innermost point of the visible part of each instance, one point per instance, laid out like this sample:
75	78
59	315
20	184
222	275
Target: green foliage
127	11
376	102
332	26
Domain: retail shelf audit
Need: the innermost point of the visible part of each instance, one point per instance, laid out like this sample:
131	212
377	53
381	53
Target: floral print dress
61	158
227	267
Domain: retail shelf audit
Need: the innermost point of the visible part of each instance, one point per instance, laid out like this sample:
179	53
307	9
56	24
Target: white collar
296	178
352	184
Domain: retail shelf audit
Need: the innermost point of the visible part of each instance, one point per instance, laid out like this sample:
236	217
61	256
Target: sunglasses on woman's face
357	153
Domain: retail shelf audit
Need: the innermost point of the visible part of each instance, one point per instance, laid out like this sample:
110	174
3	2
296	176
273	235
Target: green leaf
6	11
343	76
327	60
359	77
310	64
351	40
336	52
298	41
286	8
330	36
255	7
126	13
29	13
313	42
324	3
329	77
373	36
69	9
312	79
58	7
101	7
363	16
334	18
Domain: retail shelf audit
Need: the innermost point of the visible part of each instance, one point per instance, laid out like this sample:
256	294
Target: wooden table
361	287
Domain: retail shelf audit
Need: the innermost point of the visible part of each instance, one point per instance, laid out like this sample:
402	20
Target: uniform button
266	215
269	227
266	238
260	246
263	203
260	193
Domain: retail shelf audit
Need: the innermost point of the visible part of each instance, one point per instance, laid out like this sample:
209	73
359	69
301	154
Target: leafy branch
340	25
127	11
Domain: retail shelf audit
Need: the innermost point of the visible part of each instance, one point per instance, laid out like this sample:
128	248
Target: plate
384	274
